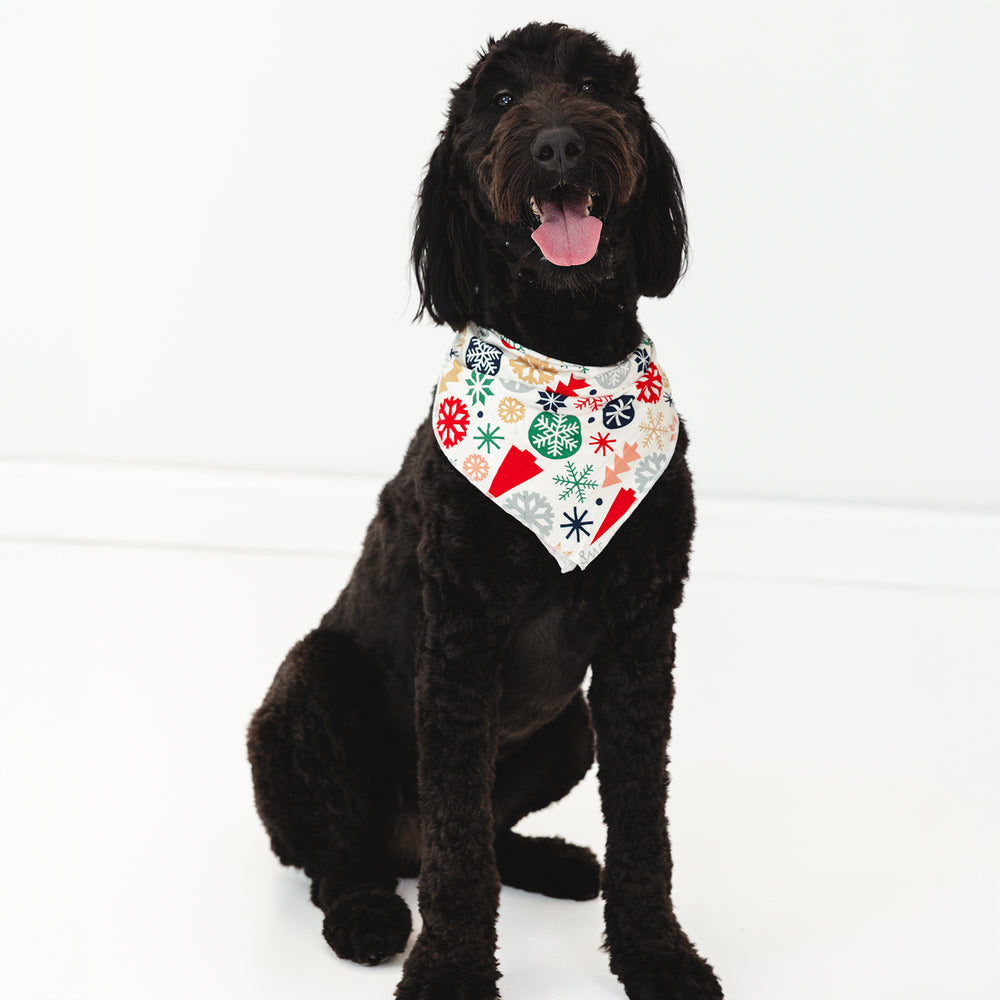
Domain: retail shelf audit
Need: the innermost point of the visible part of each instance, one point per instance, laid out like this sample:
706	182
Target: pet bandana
568	451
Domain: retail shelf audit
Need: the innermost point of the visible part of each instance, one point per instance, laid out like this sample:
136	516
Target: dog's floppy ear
445	244
660	225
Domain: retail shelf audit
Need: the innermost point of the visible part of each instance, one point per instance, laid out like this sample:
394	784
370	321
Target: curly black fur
439	701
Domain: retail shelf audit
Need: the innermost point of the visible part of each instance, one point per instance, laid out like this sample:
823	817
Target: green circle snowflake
555	435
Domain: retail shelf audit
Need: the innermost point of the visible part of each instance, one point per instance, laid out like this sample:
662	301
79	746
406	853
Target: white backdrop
206	210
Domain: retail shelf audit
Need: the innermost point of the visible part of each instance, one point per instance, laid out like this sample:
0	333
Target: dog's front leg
457	694
631	696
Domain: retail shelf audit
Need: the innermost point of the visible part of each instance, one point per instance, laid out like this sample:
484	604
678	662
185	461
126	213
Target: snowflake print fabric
567	451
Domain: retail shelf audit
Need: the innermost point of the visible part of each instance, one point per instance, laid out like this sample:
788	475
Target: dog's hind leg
364	920
317	772
538	773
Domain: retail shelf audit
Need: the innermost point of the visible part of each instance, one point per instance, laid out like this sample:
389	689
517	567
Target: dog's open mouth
569	228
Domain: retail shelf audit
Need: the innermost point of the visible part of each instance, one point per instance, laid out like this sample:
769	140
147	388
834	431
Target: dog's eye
589	87
504	99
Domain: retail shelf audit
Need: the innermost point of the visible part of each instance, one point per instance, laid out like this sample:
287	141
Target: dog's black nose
558	148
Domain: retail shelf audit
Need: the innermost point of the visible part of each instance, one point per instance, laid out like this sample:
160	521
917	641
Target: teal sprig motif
576	482
488	437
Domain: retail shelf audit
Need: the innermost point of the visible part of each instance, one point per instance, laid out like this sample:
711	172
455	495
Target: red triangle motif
619	506
569	389
518	466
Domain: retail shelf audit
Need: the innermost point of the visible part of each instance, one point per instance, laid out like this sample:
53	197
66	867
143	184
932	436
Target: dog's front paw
367	927
429	975
679	976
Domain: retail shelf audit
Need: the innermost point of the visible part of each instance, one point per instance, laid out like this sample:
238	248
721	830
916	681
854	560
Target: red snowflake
452	421
650	385
603	443
594	403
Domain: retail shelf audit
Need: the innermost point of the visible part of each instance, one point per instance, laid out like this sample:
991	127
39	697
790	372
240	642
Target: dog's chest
543	665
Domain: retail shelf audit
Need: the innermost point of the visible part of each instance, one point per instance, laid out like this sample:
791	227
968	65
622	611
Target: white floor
834	801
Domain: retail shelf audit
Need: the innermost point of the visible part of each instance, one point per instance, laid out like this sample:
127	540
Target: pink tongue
567	235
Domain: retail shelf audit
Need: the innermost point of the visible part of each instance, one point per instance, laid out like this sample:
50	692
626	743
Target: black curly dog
440	700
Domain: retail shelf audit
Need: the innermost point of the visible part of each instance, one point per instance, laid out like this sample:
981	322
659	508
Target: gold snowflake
656	430
510	410
534	371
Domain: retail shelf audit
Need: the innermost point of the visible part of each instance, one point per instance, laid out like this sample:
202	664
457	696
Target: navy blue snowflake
549	399
483	357
576	524
619	412
642	358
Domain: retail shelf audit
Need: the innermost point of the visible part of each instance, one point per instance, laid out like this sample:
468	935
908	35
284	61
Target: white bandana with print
567	450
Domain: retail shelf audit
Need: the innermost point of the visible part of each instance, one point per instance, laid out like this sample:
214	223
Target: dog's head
549	166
